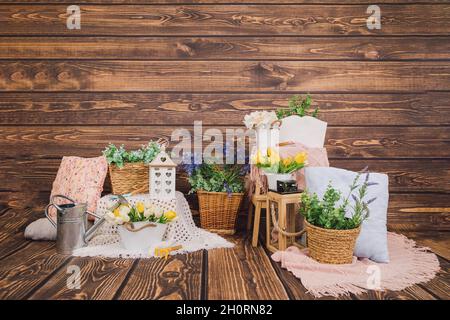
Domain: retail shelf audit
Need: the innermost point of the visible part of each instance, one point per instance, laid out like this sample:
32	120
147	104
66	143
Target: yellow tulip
259	157
287	161
300	157
269	151
274	158
170	215
140	207
116	212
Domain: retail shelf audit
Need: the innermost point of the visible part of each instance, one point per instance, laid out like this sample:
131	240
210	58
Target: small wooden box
285	210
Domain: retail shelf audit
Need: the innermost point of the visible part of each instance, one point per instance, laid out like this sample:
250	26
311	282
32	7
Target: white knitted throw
106	241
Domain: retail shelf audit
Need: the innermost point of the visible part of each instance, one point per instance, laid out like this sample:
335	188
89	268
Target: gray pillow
40	229
372	241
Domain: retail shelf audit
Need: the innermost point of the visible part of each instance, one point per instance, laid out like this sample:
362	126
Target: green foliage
217	178
298	106
136	216
119	156
327	214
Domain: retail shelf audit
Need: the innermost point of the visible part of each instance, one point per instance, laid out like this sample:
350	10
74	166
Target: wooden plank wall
138	69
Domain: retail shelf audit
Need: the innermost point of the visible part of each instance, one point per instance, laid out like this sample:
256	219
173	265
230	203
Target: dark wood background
138	70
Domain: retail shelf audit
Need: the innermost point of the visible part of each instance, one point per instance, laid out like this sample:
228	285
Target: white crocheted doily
106	241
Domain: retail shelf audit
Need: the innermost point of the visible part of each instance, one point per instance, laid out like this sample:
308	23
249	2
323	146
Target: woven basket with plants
332	228
128	170
220	190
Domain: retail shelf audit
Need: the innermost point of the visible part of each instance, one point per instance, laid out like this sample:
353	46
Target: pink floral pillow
80	179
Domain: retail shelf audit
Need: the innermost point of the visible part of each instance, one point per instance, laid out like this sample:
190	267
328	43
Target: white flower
124	217
258	118
249	120
149	210
124	210
158	213
119	215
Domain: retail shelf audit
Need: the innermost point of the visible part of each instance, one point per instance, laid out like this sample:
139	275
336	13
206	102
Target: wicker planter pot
331	246
218	210
132	177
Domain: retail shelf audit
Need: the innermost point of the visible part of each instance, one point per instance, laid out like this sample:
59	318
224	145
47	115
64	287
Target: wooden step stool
288	220
259	201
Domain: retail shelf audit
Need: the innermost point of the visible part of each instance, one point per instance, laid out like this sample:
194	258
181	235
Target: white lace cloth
106	241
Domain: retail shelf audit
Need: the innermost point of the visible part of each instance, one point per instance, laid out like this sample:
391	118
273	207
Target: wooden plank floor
33	270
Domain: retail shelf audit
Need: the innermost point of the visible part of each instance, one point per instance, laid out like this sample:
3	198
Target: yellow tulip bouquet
273	163
141	212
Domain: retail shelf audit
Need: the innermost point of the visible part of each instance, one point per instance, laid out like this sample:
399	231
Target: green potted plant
220	190
128	170
332	224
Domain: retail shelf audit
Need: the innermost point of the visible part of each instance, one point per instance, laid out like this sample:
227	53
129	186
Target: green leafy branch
119	156
326	213
298	106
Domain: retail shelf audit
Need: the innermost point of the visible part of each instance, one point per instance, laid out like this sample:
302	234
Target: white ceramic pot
142	240
272	179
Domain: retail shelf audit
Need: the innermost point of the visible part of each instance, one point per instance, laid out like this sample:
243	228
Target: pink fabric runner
408	265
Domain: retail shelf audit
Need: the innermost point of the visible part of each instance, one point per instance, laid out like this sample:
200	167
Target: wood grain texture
23	271
37	272
408	175
438	242
178	278
100	278
440	285
225	48
431	108
243	272
242	76
419	211
13	224
411	211
404	175
226	20
343	142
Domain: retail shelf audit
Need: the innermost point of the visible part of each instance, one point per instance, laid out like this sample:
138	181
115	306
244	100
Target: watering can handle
52	200
48	216
52	204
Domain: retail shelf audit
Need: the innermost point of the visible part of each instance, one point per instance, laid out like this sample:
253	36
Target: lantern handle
163	142
275	123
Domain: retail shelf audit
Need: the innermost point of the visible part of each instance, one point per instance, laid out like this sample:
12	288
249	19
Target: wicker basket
132	177
218	210
331	246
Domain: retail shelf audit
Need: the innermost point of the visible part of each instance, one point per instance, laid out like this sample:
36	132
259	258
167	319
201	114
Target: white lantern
162	177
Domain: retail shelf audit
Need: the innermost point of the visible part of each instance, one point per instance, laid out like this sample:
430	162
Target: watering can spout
89	233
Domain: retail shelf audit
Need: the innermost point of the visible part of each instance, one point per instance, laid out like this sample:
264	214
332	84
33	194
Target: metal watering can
72	231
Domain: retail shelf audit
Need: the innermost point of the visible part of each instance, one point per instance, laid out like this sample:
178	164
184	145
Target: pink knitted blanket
408	265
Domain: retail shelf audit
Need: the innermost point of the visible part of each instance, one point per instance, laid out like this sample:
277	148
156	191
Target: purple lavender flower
227	188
